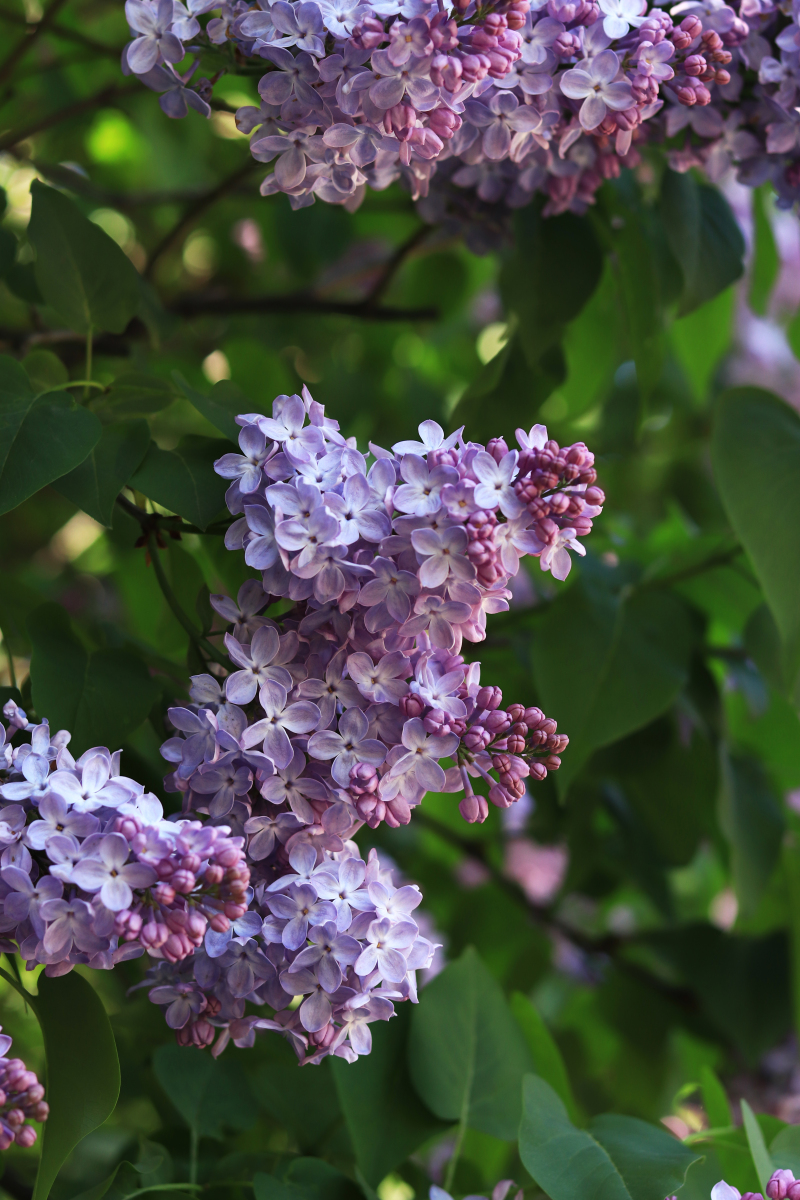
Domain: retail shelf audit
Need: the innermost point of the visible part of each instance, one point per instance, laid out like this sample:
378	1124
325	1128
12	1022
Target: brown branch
67	178
196	209
294	302
108	94
30	38
722	558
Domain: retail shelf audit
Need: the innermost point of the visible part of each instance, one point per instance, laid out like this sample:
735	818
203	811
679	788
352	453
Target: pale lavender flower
594	82
258	663
386	941
95	788
348	747
420	493
156	42
443	554
55	817
246	468
290	786
26	898
381	682
300	906
109	873
280	718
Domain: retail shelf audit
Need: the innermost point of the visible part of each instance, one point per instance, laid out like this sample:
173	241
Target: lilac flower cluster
509	97
340	708
21	1099
334	933
356	694
91	872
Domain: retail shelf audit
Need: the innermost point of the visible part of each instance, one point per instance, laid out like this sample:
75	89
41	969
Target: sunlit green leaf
758	1149
547	1060
766	263
703	235
221	407
210	1094
752	821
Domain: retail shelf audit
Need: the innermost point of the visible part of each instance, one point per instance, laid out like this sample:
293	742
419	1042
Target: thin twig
194	633
152	522
112	92
719	559
294	302
386	277
196	209
30	38
67	34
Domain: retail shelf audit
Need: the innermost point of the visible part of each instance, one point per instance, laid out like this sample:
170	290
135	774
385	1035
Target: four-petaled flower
108	872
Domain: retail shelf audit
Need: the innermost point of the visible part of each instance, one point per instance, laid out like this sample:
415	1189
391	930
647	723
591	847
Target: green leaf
551	274
96	483
467	1054
83	1078
21	280
784	1149
183	479
45	370
755	1140
715	1100
640	289
210	1094
704	237
766	262
750	817
8	250
755	450
634	655
40	438
616	1158
123	1181
508	392
100	696
547	1060
385	1118
226	402
305	1179
136	394
80	270
702	338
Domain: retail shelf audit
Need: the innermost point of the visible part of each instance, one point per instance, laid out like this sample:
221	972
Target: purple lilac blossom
505	99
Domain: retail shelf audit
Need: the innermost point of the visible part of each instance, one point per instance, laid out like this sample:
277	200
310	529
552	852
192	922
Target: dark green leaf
226	402
467	1054
8	250
726	972
183	479
751	819
384	1116
96	483
80	270
640	289
704	237
547	1060
210	1094
554	269
45	370
136	394
304	1102
618	1158
508	392
40	439
634	655
21	280
123	1181
756	454
83	1077
305	1179
766	263
101	696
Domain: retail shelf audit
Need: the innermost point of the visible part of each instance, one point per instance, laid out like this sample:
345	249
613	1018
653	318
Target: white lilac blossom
347	699
505	99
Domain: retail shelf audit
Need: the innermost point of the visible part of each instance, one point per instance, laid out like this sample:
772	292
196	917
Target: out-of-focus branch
195	209
30	38
295	302
105	96
65	32
386	277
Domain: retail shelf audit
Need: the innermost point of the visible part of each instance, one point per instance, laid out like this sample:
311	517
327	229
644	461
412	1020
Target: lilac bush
509	98
344	705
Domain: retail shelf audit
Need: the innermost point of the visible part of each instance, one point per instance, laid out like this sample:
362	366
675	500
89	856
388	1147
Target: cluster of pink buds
21	1100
